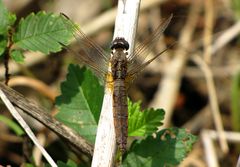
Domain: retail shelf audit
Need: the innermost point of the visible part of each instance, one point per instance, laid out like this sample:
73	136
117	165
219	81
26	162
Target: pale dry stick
223	40
209	150
105	20
226	37
232	137
105	144
208	29
209	19
238	162
209	136
43	116
213	102
27	129
45	90
36	153
166	96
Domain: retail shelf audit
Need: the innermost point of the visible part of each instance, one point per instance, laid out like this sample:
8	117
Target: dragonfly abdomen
120	113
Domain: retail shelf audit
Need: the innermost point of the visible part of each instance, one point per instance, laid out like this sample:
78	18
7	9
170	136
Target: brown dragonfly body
119	68
124	68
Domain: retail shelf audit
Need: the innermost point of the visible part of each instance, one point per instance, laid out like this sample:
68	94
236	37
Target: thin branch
208	29
209	150
27	129
209	19
213	102
43	116
226	37
105	145
208	136
36	153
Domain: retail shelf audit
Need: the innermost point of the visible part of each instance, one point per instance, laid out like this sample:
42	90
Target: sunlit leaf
141	123
42	32
80	101
169	148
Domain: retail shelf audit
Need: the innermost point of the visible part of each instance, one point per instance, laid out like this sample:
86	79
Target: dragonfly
118	69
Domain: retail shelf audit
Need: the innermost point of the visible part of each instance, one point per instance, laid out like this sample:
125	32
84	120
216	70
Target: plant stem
105	145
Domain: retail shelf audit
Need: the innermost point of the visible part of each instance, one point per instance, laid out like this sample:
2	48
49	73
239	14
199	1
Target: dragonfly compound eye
119	42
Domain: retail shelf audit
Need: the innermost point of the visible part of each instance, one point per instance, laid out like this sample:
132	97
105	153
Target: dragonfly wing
91	54
147	45
98	70
134	72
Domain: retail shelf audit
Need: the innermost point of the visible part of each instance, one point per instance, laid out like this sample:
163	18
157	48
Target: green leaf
235	102
141	123
42	32
7	19
80	102
3	44
169	148
12	125
17	56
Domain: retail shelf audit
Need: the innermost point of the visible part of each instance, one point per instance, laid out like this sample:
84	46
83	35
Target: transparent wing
133	73
145	47
91	54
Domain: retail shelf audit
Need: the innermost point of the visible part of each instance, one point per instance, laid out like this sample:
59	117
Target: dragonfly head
119	43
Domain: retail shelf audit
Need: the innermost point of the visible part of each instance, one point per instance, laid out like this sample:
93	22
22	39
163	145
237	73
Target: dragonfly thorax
119	64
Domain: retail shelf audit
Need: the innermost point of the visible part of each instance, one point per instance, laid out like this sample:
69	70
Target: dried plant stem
210	152
105	144
45	118
226	37
25	126
213	102
36	153
209	17
208	29
208	137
